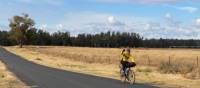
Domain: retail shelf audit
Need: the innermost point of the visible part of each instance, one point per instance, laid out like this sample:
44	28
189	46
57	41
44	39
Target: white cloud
83	18
168	16
26	1
147	26
49	2
91	22
88	22
59	26
58	2
197	22
152	26
156	1
170	21
188	9
139	1
5	28
43	27
54	2
111	19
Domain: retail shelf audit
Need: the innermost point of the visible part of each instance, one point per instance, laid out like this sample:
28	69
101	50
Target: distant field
112	55
104	62
8	80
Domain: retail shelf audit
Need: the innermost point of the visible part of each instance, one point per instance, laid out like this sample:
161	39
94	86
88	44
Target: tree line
108	39
23	32
40	37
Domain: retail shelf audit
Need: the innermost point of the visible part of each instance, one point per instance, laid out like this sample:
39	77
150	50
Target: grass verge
8	80
85	60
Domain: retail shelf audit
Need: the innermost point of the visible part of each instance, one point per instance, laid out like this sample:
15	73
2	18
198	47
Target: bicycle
128	76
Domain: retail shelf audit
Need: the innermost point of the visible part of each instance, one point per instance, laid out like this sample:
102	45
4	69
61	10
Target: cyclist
127	61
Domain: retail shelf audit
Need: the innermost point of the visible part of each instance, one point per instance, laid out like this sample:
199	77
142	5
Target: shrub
188	70
144	69
177	67
39	59
195	74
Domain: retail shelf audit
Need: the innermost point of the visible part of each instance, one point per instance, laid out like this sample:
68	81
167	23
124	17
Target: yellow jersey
127	57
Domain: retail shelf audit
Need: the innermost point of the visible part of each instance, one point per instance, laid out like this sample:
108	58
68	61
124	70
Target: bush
144	69
188	70
195	74
178	67
39	59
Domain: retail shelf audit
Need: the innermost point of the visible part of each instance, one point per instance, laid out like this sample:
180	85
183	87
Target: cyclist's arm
122	54
132	59
123	51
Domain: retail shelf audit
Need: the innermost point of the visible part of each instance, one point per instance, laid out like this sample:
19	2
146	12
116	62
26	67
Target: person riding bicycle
127	61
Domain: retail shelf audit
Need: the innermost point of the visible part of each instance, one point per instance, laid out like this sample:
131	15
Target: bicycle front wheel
131	77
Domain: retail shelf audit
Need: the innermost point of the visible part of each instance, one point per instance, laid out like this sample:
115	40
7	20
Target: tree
43	38
60	38
19	27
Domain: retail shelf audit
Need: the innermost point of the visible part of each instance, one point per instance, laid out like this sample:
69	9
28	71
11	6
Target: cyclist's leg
124	65
131	65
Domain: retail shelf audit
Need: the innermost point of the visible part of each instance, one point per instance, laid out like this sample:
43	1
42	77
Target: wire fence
170	60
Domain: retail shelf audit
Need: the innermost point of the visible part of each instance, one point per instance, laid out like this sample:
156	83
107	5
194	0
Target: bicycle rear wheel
122	75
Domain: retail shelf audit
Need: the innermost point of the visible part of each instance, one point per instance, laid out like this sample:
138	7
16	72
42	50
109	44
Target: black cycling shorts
127	64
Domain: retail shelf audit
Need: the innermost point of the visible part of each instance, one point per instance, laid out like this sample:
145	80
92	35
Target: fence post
109	60
169	60
197	61
149	62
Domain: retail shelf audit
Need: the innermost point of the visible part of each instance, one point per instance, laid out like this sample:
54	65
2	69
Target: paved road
44	77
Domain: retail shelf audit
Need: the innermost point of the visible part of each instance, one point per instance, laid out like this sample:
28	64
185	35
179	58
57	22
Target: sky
150	18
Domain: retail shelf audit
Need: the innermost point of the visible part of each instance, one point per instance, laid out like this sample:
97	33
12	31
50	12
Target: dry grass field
8	80
154	65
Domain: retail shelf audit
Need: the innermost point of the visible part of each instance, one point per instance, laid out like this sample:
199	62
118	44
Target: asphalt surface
39	76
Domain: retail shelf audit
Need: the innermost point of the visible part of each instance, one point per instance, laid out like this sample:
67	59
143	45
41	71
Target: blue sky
150	18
